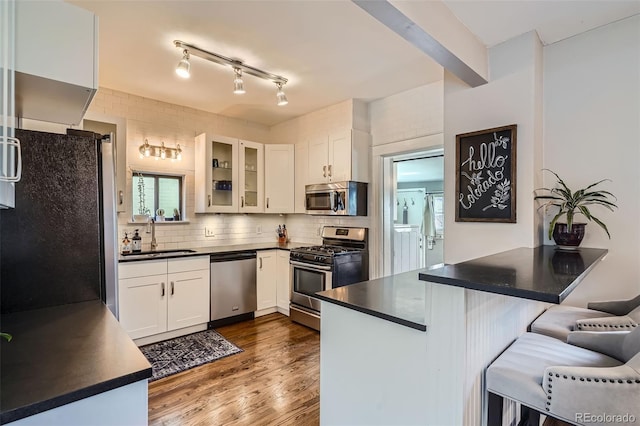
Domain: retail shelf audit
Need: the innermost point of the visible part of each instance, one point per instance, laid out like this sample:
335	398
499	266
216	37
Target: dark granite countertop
543	273
63	354
212	250
398	298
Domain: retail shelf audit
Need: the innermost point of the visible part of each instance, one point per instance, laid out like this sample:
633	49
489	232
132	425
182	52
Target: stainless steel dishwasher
233	287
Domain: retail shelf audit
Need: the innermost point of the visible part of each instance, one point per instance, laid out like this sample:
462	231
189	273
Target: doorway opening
416	212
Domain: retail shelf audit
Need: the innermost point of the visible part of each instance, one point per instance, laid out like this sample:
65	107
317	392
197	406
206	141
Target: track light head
282	98
184	66
238	84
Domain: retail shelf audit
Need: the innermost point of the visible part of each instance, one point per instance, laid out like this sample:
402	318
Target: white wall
324	121
592	132
407	115
511	97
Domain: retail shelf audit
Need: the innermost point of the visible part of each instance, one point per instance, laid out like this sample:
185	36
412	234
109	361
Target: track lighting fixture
238	84
160	152
238	67
184	66
282	98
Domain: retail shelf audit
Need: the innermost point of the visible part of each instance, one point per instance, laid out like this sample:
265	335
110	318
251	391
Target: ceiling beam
415	33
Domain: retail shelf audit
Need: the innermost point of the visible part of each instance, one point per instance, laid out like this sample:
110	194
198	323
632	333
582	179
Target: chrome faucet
154	243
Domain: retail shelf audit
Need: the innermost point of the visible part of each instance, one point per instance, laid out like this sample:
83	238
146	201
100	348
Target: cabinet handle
120	197
329	170
209	200
267	202
324	171
172	289
260	263
242	201
162	286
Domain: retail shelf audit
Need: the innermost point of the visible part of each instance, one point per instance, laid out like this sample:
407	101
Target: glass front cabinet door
217	174
251	180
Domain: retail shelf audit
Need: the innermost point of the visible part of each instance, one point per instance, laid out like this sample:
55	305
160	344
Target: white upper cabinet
340	156
56	61
318	160
251	177
229	175
216	176
9	147
279	178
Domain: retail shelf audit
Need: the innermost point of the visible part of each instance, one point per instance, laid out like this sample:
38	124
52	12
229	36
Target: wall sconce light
160	152
238	67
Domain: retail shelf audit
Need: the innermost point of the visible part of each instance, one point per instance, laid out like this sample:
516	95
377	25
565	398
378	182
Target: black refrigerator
58	245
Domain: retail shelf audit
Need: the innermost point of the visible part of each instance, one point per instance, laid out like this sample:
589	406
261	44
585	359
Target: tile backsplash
230	229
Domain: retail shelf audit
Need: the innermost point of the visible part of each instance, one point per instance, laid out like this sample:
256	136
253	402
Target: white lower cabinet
272	282
266	279
283	285
188	301
163	295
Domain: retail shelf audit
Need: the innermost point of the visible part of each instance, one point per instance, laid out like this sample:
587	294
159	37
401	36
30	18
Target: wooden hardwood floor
275	381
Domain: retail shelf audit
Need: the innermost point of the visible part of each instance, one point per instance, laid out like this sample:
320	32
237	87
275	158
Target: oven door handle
309	267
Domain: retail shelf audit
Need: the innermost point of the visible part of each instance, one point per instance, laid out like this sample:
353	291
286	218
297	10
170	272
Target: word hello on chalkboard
486	175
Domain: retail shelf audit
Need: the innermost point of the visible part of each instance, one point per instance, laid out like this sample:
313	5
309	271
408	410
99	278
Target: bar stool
558	321
596	374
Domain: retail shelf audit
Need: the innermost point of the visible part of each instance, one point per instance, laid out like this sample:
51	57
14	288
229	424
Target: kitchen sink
157	253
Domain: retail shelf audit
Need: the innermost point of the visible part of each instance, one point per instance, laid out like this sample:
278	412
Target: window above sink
159	196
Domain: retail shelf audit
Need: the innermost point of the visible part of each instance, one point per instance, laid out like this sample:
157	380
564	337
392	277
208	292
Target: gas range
342	259
323	254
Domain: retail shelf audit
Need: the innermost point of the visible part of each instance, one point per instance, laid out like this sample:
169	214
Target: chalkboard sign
486	175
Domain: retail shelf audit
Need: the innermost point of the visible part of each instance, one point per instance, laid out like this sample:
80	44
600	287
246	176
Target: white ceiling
329	50
420	170
496	21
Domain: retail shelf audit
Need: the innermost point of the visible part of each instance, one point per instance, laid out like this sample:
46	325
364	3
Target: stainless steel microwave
346	198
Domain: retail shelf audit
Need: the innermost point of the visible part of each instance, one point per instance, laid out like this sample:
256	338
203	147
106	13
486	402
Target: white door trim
379	183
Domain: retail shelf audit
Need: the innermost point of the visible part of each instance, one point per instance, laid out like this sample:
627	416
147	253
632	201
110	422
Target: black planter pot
563	237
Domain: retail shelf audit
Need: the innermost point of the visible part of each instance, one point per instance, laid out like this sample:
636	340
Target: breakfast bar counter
544	273
413	348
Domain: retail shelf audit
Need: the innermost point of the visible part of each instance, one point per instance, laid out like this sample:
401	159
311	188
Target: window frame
156	195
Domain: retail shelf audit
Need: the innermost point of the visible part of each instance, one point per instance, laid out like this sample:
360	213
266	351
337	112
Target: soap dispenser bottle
126	244
136	243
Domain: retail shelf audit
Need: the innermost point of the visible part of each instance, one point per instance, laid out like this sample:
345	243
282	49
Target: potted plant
570	203
143	211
